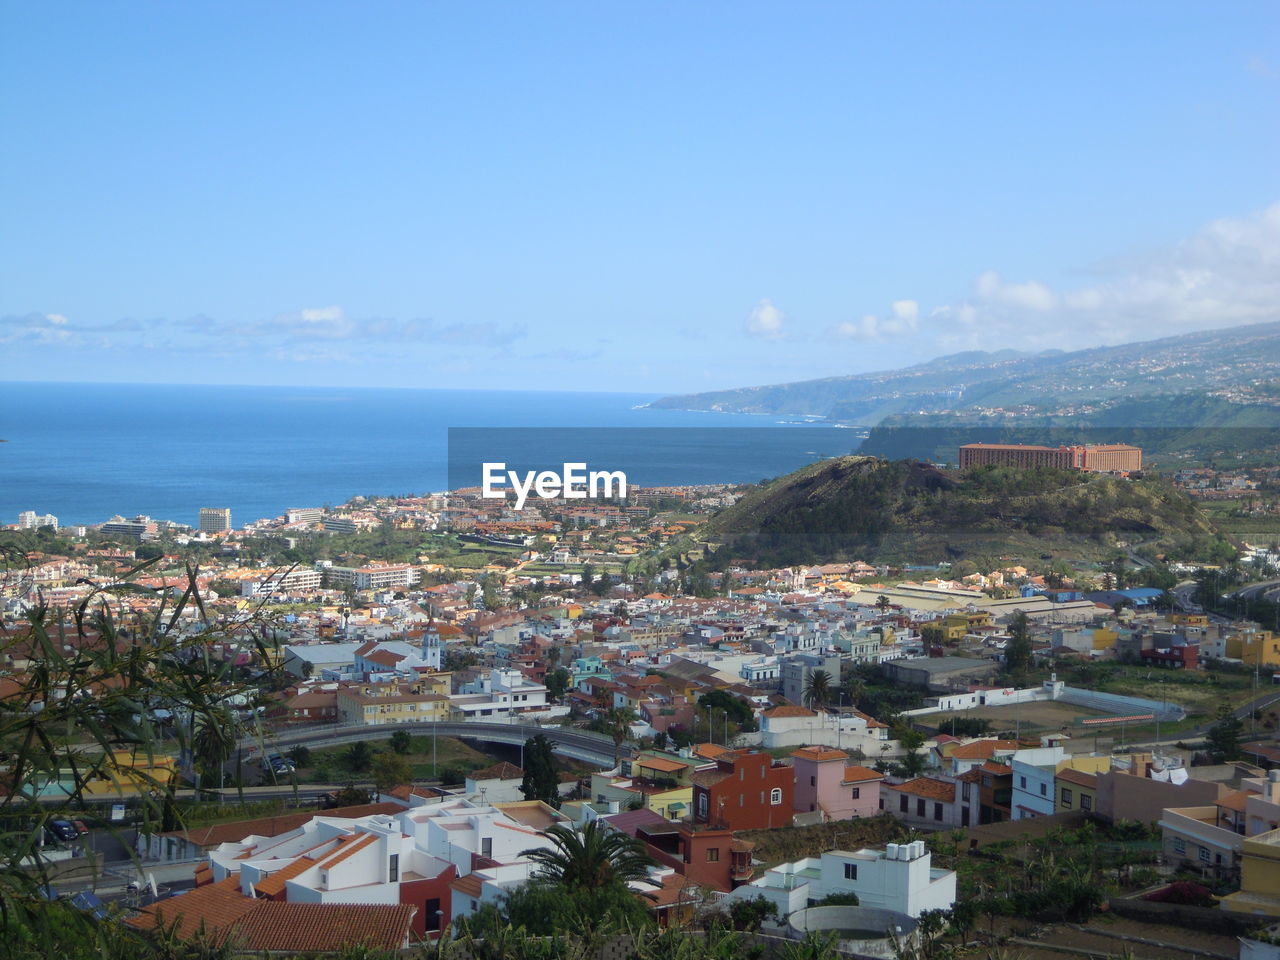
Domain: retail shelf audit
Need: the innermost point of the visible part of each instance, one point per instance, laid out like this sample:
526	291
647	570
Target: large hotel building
1095	457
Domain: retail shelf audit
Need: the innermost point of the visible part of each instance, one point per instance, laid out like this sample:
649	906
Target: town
423	700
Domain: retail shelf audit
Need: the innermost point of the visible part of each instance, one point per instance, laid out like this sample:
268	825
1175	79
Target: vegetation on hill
907	511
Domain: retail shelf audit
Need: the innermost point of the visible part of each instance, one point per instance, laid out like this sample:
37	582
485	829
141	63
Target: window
1044	789
1179	845
902	803
1022	783
857	792
1066	797
1204	854
920	807
964	791
1086	802
432	910
851	871
713	854
775	796
486	847
813	781
393	868
702	805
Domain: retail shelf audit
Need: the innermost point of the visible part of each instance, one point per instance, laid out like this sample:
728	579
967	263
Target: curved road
575	744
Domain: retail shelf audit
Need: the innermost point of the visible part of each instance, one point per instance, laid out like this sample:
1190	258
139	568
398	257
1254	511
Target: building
1097	458
139	528
282	583
30	520
340	525
825	783
744	790
215	519
900	879
304	515
923	802
374	704
940	674
797	670
385	576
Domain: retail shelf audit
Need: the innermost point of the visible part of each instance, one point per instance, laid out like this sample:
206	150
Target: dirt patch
1111	936
1037	715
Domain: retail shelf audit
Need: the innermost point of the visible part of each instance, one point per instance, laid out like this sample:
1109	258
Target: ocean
85	452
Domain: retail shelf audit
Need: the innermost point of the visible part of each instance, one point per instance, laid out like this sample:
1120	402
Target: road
576	744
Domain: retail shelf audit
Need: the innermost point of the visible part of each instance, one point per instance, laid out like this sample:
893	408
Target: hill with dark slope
908	511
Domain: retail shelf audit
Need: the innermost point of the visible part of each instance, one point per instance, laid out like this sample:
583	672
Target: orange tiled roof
789	710
856	773
820	754
982	749
928	788
1082	779
277	926
471	885
273	884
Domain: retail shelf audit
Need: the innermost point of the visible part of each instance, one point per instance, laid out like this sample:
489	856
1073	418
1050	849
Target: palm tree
214	741
591	857
817	690
882	603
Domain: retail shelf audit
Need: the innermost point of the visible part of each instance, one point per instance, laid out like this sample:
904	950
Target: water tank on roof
891	850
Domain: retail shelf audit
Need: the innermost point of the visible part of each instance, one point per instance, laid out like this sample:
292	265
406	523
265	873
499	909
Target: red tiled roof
855	773
982	749
1080	778
273	885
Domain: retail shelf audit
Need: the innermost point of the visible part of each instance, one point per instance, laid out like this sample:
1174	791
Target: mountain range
1195	379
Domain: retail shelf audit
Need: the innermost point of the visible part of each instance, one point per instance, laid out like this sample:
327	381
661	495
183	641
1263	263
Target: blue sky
649	197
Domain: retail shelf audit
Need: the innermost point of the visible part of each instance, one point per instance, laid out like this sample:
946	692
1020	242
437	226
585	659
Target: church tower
433	647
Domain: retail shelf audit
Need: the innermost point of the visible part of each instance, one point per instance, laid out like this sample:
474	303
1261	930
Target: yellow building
378	703
1259	893
1075	785
1254	647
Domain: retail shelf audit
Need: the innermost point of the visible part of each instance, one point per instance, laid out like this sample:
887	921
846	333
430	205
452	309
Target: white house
501	695
900	878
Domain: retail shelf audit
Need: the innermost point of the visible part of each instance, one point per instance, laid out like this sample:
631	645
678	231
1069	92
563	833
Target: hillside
1126	385
907	511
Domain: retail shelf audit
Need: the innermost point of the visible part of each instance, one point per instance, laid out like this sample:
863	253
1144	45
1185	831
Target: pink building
826	782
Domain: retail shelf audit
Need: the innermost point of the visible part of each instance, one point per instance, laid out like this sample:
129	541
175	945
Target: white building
386	576
282	583
501	695
900	878
30	520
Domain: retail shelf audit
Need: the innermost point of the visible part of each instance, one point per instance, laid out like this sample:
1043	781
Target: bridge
593	748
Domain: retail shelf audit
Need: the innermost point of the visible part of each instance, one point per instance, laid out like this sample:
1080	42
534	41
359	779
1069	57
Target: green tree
1017	649
883	603
98	671
1223	738
591	857
401	742
750	914
358	757
540	779
557	683
818	690
390	770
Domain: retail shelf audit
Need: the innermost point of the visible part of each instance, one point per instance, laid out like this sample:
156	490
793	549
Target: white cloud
55	318
766	321
903	318
1226	274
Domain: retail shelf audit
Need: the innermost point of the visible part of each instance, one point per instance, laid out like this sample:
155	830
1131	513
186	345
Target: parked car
61	830
80	827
